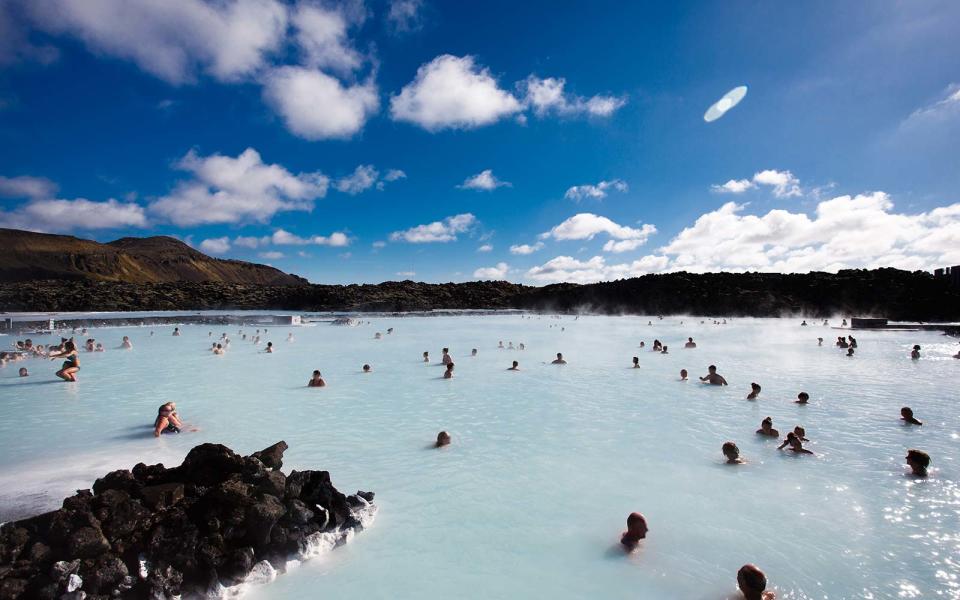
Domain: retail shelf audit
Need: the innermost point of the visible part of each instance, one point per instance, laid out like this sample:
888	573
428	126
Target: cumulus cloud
438	231
784	184
219	245
584	226
404	15
406	273
337	239
526	248
54	215
271	255
485	248
569	269
596	192
547	96
484	180
317	106
321	34
250	241
497	272
237	190
26	186
172	40
452	92
363	178
394	175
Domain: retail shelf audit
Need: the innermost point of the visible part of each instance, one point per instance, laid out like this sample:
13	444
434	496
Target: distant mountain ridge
29	256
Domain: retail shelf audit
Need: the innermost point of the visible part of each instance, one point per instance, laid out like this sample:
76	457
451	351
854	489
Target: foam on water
546	463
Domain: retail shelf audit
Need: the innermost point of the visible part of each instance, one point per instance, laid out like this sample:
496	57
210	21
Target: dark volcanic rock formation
154	532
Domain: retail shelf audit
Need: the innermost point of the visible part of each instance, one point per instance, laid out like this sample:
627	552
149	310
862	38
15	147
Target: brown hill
26	256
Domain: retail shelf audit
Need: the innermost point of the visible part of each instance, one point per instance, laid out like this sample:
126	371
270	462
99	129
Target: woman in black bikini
167	421
68	371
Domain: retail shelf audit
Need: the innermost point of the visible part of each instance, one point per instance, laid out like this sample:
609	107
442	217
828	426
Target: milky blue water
546	463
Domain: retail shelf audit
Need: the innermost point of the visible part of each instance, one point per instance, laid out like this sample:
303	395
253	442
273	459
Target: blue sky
534	142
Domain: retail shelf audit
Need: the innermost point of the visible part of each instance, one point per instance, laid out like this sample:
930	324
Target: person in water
126	344
68	371
850	351
690	343
906	415
514	367
663	350
501	345
316	380
712	377
853	341
377	336
802	398
559	360
446	358
657	346
636	362
448	374
521	346
218	349
24	372
919	462
683	374
366	368
766	428
754	391
636	531
753	583
426	357
794	442
801	433
443	439
269	347
804	324
819	341
176	331
166	422
473	352
732	453
915	353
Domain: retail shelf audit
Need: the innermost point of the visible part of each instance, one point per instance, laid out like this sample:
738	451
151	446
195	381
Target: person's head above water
731	452
366	368
803	398
636	530
473	352
636	361
443	439
906	414
23	372
919	462
751	581
712	369
683	373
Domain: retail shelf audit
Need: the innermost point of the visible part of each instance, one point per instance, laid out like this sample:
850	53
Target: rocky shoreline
888	293
217	521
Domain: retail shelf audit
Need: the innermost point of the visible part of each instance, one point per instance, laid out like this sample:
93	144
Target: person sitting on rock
915	353
690	343
636	531
166	422
906	415
316	380
753	583
919	462
636	362
802	398
683	374
795	445
126	344
754	391
448	374
732	453
559	360
514	367
712	377
766	428
443	439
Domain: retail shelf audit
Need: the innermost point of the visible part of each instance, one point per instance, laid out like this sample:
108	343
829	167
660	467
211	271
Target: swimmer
218	349
642	344
176	331
663	350
426	357
804	324
732	453
99	348
853	341
522	347
754	391
91	346
501	345
377	336
366	368
515	367
389	330
690	343
766	428
165	422
68	371
510	346
850	351
269	348
906	415
801	433
794	442
712	377
819	341
636	362
919	462
290	337
915	354
23	372
683	374
802	398
636	531
448	374
657	346
316	380
446	358
443	439
753	583
473	352
559	360
841	343
126	344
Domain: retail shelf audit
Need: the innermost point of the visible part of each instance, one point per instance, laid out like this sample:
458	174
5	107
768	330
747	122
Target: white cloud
251	242
271	255
945	109
485	248
784	184
172	40
484	180
569	269
394	175
363	178
237	190
598	191
438	231
526	248
219	245
452	92
406	273
546	96
404	15
378	244
584	226
67	215
623	245
497	272
336	239
322	36
26	186
316	106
